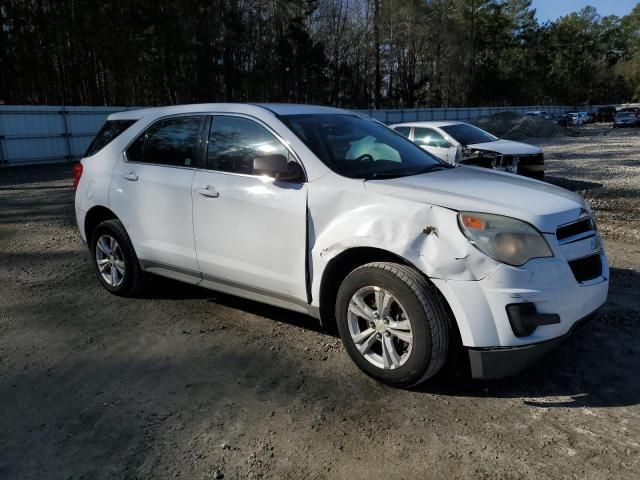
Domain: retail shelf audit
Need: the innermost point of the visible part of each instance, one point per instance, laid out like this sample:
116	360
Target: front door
250	230
434	143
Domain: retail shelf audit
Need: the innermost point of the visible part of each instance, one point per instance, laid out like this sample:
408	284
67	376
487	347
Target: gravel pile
513	126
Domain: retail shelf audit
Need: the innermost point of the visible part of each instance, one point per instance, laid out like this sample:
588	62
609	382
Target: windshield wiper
435	168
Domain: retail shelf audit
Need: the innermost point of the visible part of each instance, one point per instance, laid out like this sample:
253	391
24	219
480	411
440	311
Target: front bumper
494	363
528	165
480	307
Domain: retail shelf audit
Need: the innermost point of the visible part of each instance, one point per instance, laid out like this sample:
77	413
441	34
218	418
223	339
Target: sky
552	9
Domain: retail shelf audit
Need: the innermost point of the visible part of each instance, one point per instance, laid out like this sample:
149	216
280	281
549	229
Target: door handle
132	177
208	191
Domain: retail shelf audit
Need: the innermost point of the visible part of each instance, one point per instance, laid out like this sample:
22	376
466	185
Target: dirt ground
189	383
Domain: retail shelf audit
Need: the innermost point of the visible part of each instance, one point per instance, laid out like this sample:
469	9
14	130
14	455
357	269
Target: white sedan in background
459	142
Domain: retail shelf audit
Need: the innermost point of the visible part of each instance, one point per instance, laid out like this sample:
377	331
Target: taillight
77	173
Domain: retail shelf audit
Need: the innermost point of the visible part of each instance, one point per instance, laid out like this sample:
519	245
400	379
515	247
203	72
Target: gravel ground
189	383
601	164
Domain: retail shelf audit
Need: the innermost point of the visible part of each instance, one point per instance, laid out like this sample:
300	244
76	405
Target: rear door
151	192
250	230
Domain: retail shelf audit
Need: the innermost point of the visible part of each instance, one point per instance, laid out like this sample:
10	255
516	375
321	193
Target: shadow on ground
12	178
165	288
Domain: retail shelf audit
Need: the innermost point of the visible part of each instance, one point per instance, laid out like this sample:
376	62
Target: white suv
330	213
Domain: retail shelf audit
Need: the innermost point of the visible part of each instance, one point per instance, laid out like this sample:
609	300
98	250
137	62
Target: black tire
427	316
135	279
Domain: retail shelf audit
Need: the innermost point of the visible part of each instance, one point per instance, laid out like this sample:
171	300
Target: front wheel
392	323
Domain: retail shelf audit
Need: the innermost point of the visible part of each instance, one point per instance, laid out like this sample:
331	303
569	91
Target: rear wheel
392	323
115	261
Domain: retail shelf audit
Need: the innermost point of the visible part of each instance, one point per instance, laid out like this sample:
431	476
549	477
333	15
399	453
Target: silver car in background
626	119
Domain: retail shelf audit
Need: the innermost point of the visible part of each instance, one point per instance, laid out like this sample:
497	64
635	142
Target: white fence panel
45	134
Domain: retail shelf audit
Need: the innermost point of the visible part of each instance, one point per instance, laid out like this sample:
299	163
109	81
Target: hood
507	147
478	189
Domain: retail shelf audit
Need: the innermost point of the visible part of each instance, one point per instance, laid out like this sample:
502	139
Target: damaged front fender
426	236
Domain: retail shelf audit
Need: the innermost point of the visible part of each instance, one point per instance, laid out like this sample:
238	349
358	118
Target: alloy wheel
110	260
380	327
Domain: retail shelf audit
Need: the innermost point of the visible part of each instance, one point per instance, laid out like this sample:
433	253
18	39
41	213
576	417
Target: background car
626	119
634	110
537	113
462	143
578	118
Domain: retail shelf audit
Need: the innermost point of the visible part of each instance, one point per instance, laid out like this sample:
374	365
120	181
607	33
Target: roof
299	109
256	109
434	123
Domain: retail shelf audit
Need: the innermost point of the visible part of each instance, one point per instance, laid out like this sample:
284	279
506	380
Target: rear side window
404	131
168	142
234	142
109	131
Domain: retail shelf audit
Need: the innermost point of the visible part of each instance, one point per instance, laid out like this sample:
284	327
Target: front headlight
504	239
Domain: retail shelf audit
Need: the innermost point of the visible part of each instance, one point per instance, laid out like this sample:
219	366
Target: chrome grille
584	225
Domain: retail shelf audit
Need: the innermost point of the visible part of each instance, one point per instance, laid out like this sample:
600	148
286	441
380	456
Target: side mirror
277	166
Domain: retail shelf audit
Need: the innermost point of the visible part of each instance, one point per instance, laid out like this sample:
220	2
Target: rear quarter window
109	131
404	131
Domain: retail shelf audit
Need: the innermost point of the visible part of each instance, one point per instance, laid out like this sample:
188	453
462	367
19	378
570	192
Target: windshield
357	147
468	134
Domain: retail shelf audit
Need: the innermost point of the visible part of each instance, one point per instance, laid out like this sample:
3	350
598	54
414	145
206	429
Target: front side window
358	147
109	131
171	141
428	137
235	141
